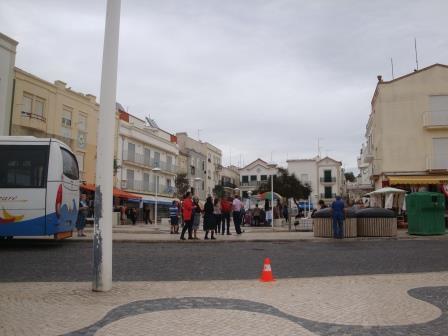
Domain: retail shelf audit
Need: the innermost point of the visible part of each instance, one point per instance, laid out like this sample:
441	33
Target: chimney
380	78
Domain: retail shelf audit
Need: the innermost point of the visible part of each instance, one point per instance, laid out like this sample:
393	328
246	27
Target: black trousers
237	221
225	217
217	222
188	226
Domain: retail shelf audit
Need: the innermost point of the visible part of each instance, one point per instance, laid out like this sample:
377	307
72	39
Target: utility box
426	212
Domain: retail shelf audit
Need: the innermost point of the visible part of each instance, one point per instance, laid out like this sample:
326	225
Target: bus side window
69	165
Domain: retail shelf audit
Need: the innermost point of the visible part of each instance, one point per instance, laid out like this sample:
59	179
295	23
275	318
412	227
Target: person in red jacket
226	209
187	213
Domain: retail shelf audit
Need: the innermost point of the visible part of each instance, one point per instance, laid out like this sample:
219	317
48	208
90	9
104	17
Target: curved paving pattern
437	296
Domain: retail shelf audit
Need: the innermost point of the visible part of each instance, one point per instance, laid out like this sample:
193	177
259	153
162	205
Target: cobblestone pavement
386	305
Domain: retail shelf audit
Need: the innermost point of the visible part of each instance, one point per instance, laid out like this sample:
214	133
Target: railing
228	185
145	187
33	116
435	119
328	179
325	196
140	159
252	183
437	163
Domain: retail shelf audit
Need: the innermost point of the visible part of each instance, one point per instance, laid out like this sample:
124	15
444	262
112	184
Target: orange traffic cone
266	274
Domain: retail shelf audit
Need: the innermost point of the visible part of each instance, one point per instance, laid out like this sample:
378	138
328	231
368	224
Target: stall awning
429	179
116	192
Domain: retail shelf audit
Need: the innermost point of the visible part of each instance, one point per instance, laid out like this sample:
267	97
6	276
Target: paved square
400	304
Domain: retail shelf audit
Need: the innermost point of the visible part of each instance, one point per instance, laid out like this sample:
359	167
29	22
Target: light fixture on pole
156	170
272	200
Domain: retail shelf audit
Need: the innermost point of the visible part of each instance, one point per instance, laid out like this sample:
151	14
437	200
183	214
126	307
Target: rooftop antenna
416	55
318	146
392	65
199	134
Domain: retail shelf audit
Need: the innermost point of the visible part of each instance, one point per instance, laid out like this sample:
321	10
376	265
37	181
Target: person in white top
236	207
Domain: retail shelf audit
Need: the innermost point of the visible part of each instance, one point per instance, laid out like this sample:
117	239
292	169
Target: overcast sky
255	77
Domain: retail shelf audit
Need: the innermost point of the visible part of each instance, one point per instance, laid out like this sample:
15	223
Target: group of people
216	214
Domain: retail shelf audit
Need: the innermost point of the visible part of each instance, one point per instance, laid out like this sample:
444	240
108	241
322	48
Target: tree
182	185
218	190
286	185
350	177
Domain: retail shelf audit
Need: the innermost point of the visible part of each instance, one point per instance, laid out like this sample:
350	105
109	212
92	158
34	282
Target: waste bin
426	212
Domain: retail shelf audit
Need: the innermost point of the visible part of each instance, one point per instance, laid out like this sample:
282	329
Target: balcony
435	119
145	187
328	180
228	185
149	163
437	163
327	196
252	183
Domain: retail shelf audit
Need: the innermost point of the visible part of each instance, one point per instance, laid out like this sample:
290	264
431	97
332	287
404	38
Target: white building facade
254	174
7	61
323	175
145	160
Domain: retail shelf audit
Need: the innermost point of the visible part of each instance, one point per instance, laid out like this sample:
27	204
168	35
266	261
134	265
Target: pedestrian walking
174	217
257	215
147	214
236	207
187	213
82	215
133	215
285	213
217	214
226	209
196	217
209	218
338	217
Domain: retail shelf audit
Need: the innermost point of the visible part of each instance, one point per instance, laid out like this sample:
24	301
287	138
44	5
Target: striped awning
427	179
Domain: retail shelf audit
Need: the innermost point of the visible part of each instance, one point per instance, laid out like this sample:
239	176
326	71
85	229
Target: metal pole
157	188
102	237
272	199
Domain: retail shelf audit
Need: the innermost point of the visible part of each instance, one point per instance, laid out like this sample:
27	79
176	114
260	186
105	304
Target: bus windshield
23	166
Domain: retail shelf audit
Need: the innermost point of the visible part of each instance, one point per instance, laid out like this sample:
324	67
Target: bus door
63	192
23	181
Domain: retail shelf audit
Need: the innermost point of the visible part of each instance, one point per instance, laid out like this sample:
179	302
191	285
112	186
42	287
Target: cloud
257	76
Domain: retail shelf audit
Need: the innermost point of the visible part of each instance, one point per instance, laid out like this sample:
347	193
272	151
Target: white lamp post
102	232
197	180
272	200
155	171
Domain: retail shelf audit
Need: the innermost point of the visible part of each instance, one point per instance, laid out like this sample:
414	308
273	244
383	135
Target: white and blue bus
39	187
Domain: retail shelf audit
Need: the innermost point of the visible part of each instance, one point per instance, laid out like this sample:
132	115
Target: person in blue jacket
338	217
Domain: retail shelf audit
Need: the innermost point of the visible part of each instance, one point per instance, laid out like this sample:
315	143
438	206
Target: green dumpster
426	212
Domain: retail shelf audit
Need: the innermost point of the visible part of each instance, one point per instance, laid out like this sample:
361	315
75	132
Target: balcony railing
252	183
228	185
145	187
327	196
328	179
437	163
435	119
141	160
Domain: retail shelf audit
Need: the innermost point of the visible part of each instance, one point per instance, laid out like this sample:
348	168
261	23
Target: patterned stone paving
389	305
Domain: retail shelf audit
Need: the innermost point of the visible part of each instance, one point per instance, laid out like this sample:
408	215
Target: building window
145	182
39	109
130	179
440	153
327	175
253	177
203	165
263	177
328	192
131	152
82	122
67	116
157	159
203	185
66	132
193	170
245	179
33	106
147	157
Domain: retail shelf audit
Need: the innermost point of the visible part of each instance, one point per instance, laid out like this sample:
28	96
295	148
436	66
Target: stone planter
323	227
377	227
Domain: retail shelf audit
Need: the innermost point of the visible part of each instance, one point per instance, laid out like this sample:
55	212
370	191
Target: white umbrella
386	191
